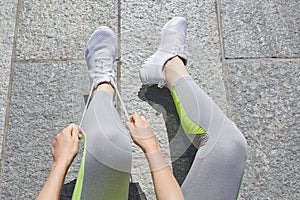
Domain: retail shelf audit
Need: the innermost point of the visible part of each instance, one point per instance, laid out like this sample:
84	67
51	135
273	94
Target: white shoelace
121	101
86	105
90	95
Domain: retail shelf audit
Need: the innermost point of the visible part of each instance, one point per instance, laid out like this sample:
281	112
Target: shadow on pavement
67	190
181	150
135	191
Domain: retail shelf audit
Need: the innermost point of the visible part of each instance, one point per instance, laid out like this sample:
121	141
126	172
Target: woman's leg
218	167
108	151
105	168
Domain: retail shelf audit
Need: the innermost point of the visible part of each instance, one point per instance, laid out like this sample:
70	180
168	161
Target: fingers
66	145
130	126
135	117
143	118
69	129
138	120
75	131
80	136
72	130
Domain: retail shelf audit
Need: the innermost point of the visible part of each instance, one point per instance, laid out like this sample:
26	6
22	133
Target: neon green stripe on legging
188	125
79	182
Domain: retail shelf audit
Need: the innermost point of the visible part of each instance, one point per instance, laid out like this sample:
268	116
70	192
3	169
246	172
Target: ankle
175	62
173	70
107	87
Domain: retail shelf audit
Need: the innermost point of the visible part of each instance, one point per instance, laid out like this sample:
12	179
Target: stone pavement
244	54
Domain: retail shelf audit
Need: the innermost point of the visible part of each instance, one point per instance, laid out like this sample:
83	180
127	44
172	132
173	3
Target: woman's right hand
142	134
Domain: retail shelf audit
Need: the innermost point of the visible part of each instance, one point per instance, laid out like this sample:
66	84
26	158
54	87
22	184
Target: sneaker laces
90	95
86	105
121	101
103	66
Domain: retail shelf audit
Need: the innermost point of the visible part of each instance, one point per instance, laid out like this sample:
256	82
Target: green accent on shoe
188	125
79	182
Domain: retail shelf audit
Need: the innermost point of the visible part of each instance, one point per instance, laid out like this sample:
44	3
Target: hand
66	145
142	134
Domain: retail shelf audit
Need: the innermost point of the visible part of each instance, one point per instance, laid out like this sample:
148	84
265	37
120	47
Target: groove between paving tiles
50	61
9	93
75	60
224	71
261	59
119	57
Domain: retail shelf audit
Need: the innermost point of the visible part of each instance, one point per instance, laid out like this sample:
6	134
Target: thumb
130	126
75	131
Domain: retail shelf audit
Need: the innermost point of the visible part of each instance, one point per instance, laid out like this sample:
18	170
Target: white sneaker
101	53
171	44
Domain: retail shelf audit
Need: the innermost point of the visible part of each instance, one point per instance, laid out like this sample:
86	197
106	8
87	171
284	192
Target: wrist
60	166
151	148
156	161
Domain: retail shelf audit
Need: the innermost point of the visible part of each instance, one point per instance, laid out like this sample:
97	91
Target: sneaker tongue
171	41
177	24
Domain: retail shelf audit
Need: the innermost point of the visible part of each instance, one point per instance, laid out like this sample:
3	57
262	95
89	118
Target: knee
235	143
120	138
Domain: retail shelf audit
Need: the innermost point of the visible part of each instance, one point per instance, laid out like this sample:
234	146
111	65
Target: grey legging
107	161
217	169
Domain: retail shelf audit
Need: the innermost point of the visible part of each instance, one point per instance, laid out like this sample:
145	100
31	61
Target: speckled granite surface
244	54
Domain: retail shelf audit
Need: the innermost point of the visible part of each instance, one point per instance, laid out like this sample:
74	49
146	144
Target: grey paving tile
59	29
7	24
46	98
141	22
260	28
266	107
